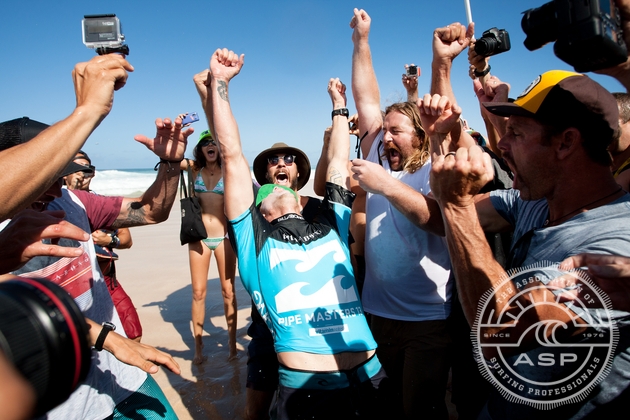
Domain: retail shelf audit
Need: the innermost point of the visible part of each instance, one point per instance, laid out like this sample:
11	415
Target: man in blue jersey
299	273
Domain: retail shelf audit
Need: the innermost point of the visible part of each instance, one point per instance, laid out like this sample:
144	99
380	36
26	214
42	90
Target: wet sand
155	273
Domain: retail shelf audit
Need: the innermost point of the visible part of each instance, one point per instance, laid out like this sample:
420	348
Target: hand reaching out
22	238
610	272
170	140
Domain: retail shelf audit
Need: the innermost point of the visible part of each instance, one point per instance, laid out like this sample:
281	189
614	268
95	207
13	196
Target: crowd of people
363	301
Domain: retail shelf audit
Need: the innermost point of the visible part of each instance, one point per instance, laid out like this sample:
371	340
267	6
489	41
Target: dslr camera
587	33
103	33
43	334
493	41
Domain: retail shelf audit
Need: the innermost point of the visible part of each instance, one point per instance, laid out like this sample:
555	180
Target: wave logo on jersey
332	293
309	258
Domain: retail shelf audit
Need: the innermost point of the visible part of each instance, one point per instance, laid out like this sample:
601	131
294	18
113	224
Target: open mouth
394	154
282	178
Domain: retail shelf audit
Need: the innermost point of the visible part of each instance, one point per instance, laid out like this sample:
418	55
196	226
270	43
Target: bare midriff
323	362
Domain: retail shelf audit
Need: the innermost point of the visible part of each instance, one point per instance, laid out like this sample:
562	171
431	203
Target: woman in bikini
208	186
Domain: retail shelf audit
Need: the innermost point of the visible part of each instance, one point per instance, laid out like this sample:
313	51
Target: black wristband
340	111
482	73
168	162
107	327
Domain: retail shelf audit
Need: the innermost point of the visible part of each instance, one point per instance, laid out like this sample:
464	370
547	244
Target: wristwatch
115	241
107	327
341	111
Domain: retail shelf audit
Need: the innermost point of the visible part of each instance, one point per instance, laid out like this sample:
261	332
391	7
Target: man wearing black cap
565	201
118	380
82	177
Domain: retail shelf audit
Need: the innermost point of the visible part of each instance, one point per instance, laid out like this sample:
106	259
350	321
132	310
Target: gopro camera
587	33
103	33
412	71
493	41
190	118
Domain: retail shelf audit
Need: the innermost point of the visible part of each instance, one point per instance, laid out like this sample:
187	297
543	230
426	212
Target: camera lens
486	46
44	335
540	26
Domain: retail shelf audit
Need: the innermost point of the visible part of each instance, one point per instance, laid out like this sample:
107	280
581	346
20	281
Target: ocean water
125	182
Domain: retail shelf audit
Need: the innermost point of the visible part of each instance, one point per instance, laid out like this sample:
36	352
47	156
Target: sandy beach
155	273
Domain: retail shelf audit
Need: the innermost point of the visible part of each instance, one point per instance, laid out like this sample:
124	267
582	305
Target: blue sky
291	50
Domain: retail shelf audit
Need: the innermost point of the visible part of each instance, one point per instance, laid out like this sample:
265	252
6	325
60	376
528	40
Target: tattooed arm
224	65
339	145
155	204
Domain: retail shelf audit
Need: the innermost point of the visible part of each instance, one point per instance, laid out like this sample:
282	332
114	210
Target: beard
399	161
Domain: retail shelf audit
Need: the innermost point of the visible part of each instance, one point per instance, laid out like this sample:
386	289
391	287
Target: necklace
548	222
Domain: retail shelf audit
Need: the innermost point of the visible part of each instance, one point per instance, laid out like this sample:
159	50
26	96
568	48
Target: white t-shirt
408	271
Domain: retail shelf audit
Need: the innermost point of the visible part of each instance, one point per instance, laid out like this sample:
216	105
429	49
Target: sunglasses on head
288	159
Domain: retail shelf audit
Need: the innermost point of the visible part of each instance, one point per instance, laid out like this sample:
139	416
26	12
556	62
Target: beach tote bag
192	229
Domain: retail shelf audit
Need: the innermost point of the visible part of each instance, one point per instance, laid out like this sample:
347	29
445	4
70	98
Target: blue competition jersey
300	277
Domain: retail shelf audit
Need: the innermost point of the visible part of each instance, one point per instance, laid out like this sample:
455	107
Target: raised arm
339	146
364	85
319	184
202	83
448	43
224	65
51	150
410	83
155	204
494	90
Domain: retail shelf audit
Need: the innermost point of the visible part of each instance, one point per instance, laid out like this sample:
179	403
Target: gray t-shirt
603	230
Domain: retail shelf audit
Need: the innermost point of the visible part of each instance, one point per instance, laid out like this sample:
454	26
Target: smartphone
412	71
190	118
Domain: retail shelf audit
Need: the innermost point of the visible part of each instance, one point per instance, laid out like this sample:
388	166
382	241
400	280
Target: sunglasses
288	159
204	143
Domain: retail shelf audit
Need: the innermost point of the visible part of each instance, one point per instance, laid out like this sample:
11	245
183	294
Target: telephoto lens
44	335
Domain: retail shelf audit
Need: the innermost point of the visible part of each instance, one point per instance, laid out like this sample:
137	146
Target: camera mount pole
468	14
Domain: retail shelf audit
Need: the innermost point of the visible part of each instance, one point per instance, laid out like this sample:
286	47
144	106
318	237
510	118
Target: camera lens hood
44	335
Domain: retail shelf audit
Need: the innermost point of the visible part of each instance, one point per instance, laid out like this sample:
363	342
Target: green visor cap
205	134
267	189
